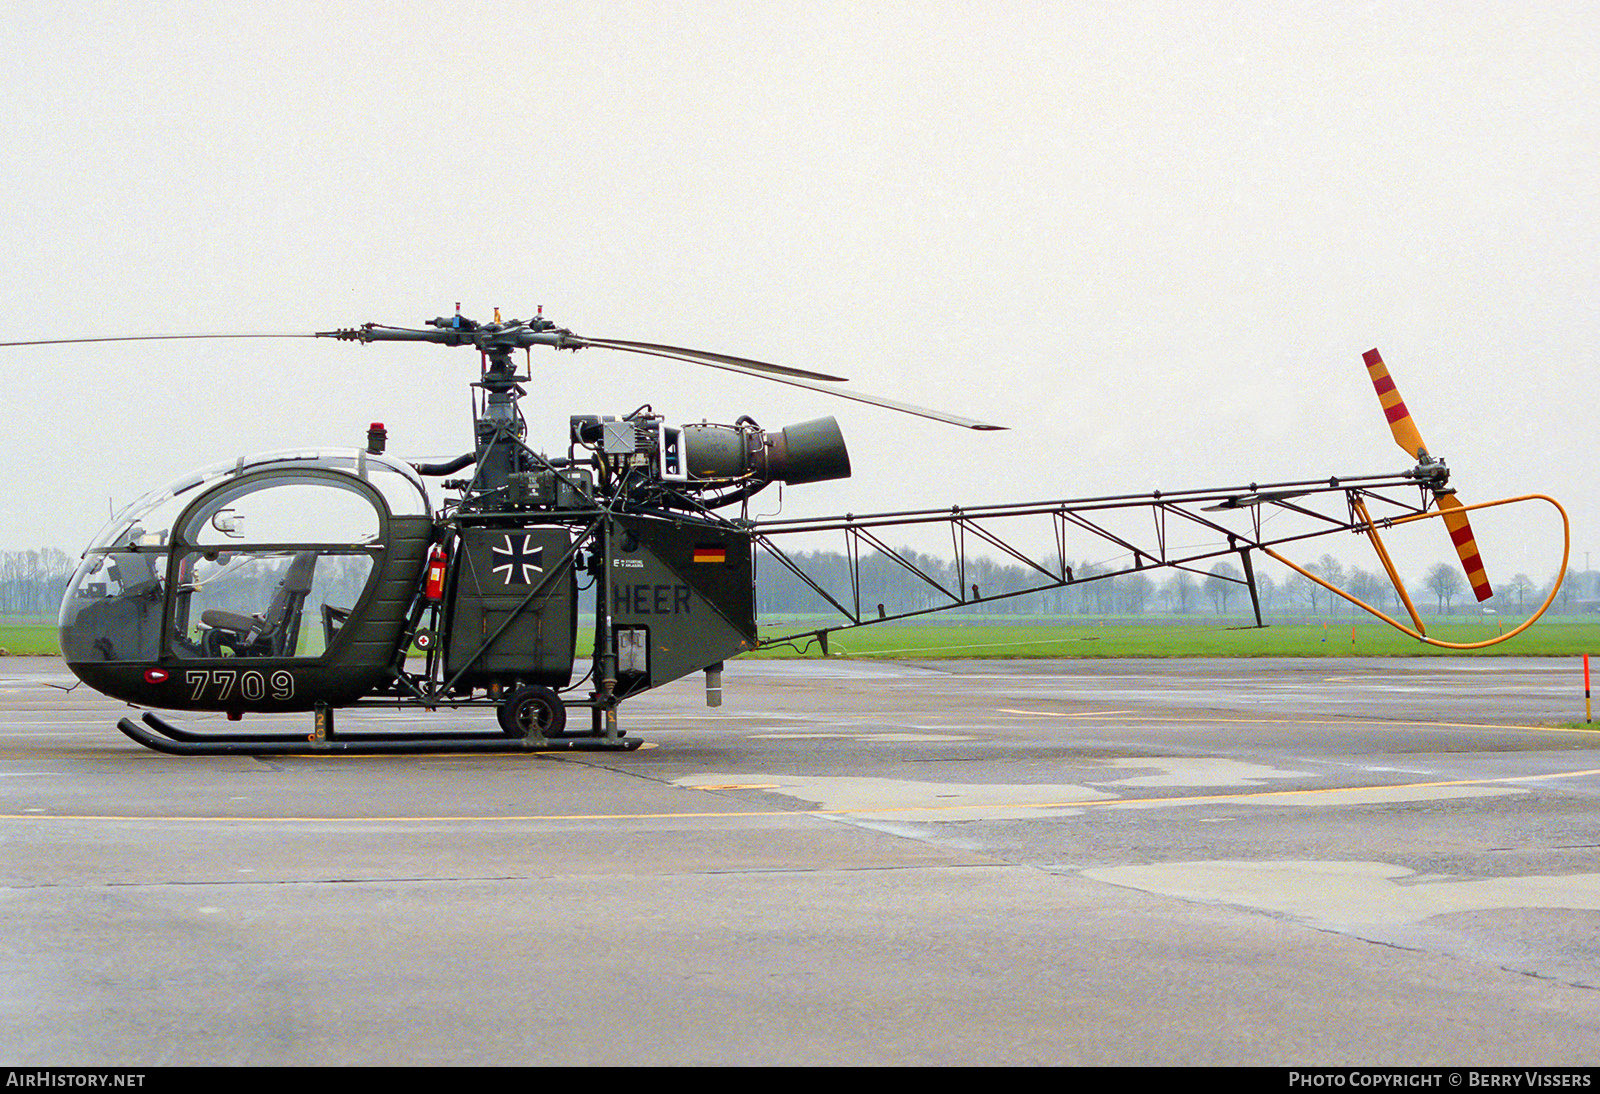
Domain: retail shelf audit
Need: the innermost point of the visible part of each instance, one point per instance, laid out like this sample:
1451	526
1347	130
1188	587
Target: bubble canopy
261	557
148	522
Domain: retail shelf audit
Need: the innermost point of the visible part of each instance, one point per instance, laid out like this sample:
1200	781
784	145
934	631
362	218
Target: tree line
32	583
1218	590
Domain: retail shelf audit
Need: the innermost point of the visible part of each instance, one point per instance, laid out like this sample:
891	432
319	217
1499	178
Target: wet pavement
1193	861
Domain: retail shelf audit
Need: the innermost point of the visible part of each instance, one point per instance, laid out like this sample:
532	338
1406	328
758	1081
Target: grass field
28	639
1092	638
1117	639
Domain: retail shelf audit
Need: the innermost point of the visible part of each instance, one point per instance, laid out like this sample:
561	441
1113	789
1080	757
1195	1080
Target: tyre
534	710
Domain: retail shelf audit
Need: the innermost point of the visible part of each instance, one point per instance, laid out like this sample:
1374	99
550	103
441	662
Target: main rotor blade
150	338
1455	519
706	356
1405	431
853	396
782	374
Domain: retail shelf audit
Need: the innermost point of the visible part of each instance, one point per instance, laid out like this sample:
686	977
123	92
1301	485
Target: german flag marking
711	554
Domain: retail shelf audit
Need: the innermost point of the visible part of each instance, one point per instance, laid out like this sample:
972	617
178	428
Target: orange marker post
1587	715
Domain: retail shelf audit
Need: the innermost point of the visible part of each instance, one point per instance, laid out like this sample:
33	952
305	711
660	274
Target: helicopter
316	580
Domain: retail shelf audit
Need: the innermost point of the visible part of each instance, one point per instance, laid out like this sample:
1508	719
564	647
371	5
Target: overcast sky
1154	239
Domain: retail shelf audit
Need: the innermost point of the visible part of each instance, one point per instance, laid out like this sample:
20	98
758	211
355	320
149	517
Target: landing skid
176	741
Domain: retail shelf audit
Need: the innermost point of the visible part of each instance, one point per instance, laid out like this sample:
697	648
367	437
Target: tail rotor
1431	472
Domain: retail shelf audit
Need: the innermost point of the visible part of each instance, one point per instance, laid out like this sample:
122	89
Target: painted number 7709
220	685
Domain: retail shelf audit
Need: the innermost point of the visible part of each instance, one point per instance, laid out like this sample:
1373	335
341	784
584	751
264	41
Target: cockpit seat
137	576
274	632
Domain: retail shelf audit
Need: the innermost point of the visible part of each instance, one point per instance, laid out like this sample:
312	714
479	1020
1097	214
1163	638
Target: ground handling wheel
533	709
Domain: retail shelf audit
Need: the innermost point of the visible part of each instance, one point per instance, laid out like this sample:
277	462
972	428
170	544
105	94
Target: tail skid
1420	632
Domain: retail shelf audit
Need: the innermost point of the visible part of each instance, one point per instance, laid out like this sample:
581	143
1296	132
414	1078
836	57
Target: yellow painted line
409	820
1058	714
1330	790
1247	796
408	757
1354	721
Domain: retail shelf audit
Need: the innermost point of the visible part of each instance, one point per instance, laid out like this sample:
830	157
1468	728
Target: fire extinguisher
434	589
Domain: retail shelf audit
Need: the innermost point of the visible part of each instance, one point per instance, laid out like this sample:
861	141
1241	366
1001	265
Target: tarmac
1299	861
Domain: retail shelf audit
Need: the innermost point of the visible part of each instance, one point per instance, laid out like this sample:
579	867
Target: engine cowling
811	451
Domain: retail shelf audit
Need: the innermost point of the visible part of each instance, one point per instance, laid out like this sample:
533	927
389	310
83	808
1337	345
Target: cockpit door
272	565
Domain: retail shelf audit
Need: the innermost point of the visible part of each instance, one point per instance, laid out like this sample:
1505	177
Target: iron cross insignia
517	562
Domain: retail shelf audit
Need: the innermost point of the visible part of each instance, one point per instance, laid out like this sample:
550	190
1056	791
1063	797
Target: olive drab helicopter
308	581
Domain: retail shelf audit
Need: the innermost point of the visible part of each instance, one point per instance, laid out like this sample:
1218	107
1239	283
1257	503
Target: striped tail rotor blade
1394	408
1455	519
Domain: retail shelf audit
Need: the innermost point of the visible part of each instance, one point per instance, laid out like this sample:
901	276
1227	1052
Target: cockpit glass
264	603
273	556
284	509
397	481
148	521
401	488
112	610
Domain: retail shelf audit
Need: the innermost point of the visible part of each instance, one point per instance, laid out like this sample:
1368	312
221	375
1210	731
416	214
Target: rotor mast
498	429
